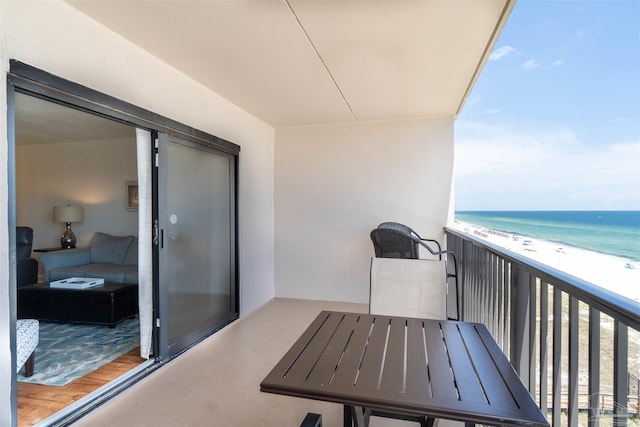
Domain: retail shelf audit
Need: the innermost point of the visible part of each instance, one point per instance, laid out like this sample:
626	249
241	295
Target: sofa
112	258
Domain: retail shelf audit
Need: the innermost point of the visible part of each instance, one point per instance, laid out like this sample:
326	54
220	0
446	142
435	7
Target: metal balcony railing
575	345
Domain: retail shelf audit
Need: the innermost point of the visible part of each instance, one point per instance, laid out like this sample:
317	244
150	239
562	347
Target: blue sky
553	122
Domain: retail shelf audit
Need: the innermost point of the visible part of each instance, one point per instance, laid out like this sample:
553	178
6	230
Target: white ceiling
44	122
302	62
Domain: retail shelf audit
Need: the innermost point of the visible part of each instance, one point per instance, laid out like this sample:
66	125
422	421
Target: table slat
393	373
283	366
439	370
492	381
418	381
314	348
526	404
466	378
372	361
348	368
325	367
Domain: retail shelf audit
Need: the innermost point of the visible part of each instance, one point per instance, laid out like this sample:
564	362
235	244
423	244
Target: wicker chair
395	240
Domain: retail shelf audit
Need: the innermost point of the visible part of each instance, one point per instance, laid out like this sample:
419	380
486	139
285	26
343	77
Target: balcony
574	344
576	362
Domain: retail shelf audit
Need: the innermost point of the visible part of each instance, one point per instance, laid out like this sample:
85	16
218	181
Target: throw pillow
107	249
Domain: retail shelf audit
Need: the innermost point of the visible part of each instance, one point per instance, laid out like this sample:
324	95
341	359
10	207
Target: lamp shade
68	213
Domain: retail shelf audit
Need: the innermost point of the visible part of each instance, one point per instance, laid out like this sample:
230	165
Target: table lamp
68	214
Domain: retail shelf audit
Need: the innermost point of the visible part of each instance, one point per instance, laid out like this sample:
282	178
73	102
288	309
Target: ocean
610	232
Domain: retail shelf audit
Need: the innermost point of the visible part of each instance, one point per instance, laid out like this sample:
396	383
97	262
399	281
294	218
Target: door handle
156	232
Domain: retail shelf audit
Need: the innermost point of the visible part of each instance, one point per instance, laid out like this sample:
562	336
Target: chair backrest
24	242
408	287
398	227
391	243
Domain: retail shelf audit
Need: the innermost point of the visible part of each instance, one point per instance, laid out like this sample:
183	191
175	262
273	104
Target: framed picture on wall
132	195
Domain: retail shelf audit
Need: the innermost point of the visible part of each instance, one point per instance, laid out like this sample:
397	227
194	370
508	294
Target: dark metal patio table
404	368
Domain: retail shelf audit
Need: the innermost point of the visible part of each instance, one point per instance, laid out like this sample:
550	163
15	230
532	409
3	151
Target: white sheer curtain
145	269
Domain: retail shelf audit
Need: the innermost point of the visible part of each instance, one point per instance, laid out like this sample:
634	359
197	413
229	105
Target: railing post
556	386
637	396
594	368
533	314
620	374
459	248
519	337
572	398
506	287
544	346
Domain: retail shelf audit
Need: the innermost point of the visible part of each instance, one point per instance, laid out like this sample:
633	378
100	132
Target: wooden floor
36	401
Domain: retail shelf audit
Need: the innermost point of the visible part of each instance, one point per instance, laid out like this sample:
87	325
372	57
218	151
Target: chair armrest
454	275
26	271
65	258
434	242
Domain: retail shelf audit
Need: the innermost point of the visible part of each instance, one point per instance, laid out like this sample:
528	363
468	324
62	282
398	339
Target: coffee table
104	305
404	368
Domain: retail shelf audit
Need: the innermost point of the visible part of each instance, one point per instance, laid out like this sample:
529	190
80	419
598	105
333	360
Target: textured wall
336	183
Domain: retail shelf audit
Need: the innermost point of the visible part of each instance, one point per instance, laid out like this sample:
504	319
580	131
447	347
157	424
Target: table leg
312	420
424	421
356	416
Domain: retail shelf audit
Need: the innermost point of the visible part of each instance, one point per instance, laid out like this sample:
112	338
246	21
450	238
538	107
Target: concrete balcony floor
217	382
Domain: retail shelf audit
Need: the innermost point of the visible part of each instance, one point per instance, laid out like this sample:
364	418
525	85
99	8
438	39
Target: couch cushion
131	275
131	257
109	272
107	249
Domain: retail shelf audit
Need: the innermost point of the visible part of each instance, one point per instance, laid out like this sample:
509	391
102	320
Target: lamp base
68	239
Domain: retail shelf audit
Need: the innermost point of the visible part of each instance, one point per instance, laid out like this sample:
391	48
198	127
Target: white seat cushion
408	287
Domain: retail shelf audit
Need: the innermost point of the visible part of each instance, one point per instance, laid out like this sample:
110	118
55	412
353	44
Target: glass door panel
197	242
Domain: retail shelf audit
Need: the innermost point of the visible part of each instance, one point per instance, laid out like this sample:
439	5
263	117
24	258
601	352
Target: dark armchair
26	267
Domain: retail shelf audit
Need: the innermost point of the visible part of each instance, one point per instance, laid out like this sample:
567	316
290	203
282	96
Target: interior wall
334	184
7	310
89	174
55	37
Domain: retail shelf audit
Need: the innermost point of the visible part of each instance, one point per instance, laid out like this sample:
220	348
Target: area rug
69	351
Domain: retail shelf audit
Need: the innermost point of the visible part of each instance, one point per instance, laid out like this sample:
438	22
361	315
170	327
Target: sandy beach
619	275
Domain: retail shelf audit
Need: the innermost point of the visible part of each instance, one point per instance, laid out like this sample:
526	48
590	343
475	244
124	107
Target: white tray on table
77	283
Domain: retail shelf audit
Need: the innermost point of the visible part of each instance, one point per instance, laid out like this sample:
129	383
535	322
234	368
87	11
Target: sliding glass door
187	216
196	242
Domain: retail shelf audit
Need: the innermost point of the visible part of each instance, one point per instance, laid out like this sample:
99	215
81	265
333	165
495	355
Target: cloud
532	63
493	110
554	64
474	100
499	167
501	52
